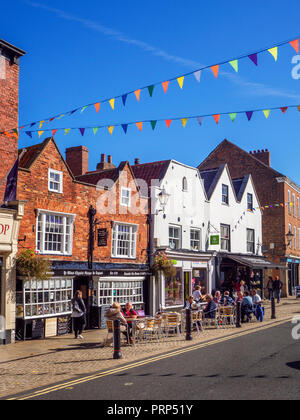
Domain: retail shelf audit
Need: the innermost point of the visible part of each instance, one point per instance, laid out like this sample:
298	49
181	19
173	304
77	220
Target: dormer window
225	194
55	181
184	184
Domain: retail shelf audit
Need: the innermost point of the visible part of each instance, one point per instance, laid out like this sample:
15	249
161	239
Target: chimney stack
77	159
103	165
137	161
262	155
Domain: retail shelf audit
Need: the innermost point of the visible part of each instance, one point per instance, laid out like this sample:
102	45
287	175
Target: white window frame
252	242
194	240
127	289
294	205
226	203
60	183
222	238
133	230
289	202
45	213
184	184
295	237
179	228
123	189
248	196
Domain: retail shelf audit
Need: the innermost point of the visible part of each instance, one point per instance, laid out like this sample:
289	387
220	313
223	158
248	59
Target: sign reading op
6	228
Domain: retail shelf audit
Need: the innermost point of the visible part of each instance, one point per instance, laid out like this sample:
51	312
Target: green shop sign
215	240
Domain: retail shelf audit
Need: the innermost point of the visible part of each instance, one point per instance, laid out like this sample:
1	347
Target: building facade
10	212
92	227
280	200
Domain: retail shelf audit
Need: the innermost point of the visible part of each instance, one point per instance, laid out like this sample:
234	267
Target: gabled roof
150	171
95	176
210	179
30	154
240	186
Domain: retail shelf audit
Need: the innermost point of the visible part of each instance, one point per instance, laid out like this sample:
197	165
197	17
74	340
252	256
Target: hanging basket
164	264
31	265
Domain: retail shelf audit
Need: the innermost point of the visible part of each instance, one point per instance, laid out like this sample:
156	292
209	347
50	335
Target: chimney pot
109	159
103	158
137	161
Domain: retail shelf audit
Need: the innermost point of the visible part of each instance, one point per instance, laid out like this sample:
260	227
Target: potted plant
30	265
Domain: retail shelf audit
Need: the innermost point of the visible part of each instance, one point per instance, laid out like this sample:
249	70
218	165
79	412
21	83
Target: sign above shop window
215	240
6	228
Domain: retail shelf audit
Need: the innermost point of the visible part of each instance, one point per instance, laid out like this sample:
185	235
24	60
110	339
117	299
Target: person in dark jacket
270	288
211	308
226	300
247	307
277	287
78	314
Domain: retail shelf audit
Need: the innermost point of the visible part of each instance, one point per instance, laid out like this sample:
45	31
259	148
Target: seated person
197	294
226	300
114	313
257	306
247	307
211	308
191	304
217	297
256	299
129	312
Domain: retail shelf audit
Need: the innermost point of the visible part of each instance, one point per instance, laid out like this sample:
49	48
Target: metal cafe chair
226	316
173	323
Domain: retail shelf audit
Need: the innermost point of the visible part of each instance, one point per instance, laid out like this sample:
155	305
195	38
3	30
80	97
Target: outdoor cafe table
134	322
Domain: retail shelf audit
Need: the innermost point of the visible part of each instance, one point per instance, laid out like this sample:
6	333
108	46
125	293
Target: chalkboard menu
38	328
64	325
104	308
102	237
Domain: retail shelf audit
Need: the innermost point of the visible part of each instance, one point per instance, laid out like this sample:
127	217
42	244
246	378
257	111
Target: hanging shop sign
215	240
102	237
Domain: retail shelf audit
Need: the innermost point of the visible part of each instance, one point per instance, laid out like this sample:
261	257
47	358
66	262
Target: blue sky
83	52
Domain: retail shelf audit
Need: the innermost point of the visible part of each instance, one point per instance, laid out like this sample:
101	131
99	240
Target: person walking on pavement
277	287
270	287
78	314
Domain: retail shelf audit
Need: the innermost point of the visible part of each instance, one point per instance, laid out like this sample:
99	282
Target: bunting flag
165	86
274	52
153	124
197	75
139	125
215	70
137	94
295	45
233	116
124	99
253	58
180	81
235	65
184	119
83	109
112	103
267	113
41	124
97	106
151	89
217	118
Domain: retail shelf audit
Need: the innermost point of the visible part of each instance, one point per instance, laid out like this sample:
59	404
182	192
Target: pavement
31	365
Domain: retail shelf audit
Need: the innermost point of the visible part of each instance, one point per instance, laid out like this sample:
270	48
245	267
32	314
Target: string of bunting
234	64
263	208
153	123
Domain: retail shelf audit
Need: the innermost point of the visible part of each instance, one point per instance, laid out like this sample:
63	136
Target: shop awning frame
257	263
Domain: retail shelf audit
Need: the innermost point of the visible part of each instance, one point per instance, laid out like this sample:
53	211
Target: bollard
117	340
239	315
273	308
189	336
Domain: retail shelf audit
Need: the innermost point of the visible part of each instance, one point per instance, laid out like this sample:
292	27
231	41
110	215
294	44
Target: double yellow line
143	362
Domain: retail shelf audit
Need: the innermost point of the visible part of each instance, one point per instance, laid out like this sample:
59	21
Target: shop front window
174	290
46	298
121	291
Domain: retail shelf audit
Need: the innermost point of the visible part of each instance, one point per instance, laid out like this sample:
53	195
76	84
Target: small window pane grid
250	202
289	202
294	205
47	298
250	241
225	196
174	237
124	241
195	239
121	292
54	234
225	237
55	181
125	197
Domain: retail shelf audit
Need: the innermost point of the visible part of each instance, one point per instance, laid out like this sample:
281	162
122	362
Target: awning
256	262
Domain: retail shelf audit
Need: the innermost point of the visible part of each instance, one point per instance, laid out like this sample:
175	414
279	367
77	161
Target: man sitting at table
129	312
226	300
191	304
211	308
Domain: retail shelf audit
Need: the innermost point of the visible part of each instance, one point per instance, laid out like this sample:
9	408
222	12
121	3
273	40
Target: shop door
187	285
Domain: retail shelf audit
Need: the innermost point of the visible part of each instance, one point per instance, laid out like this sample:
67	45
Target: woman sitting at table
211	308
129	312
114	313
217	297
191	304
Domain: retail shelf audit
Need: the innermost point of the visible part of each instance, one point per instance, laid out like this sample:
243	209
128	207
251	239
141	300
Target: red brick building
280	198
93	226
10	213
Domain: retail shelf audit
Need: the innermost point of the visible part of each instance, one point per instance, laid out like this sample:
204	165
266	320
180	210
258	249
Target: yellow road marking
69	384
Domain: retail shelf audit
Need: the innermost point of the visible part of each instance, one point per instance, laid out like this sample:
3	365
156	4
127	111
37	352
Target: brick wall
9	106
75	199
